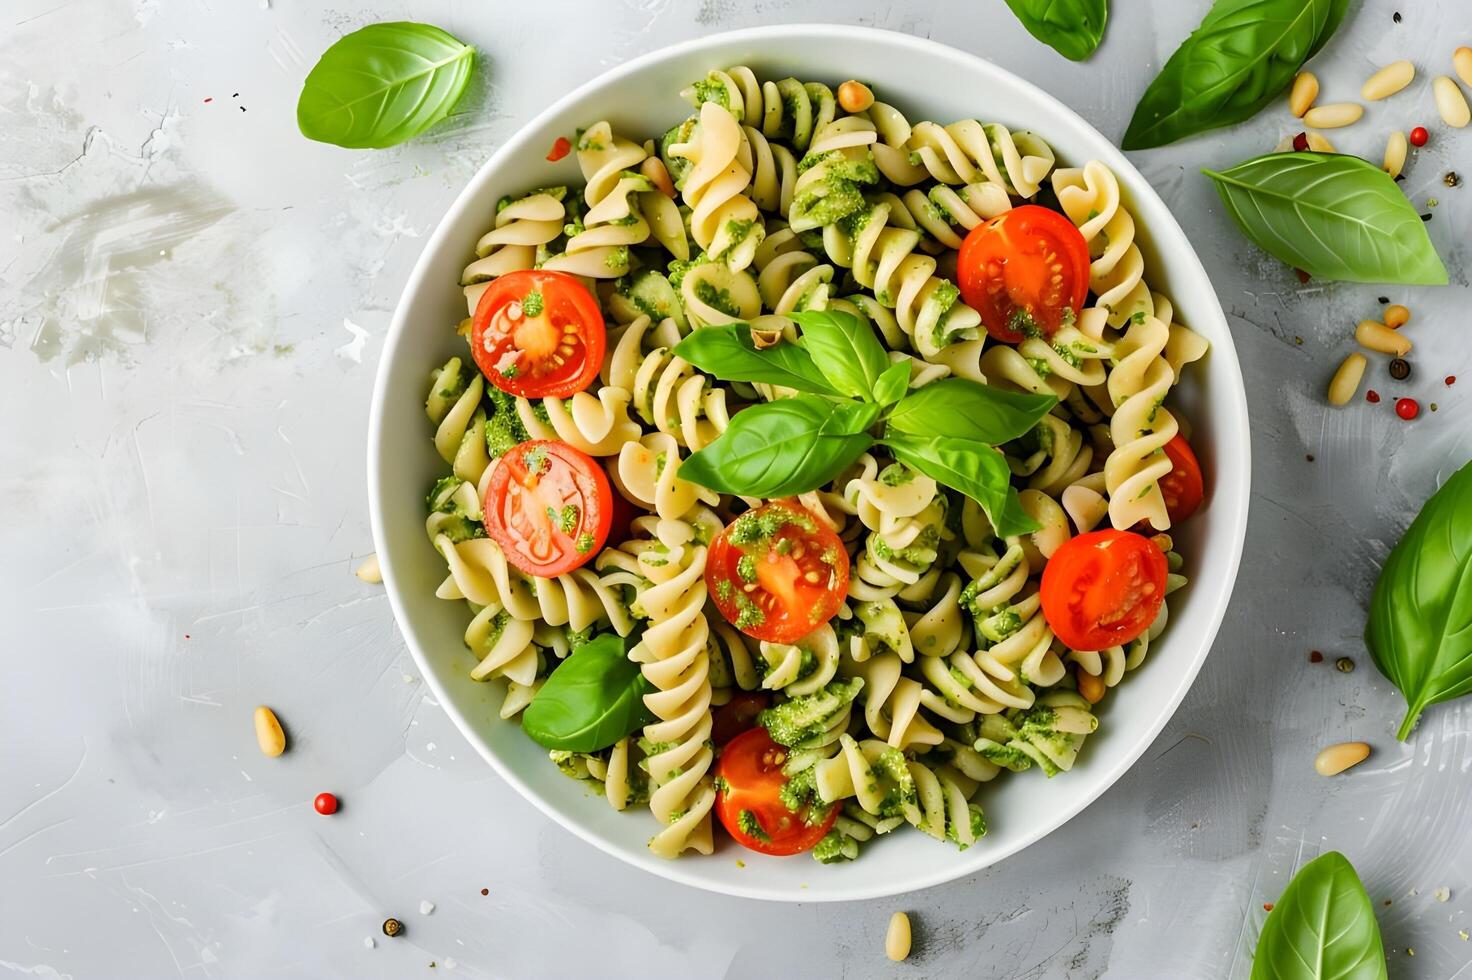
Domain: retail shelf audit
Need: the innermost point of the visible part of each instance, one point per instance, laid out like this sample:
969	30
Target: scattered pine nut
897	938
1462	62
1334	115
1346	381
654	169
1397	316
269	735
1388	81
1337	758
1395	153
855	96
1450	102
1305	90
1091	687
1376	336
369	571
1319	144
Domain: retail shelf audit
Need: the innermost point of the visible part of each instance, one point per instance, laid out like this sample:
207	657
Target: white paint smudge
353	349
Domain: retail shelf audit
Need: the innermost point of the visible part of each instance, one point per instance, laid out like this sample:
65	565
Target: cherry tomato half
748	800
777	573
1022	269
1182	486
538	334
1103	589
738	715
548	506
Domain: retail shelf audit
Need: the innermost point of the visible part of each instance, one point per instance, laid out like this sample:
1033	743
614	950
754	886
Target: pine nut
1388	81
654	169
1346	381
269	735
1462	62
1396	316
1334	116
1305	90
369	571
1090	686
1337	758
1319	144
855	96
1450	102
1376	336
1395	153
897	938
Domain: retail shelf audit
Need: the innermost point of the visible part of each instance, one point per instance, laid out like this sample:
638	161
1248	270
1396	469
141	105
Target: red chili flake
186	636
1302	276
210	99
1315	657
1309	457
1372	396
1451	379
1407	408
1419	136
1267	906
326	804
1300	142
560	148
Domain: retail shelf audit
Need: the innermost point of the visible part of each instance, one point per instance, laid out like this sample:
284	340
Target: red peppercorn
1315	657
1300	142
561	148
1451	379
1372	396
1419	136
326	804
1407	408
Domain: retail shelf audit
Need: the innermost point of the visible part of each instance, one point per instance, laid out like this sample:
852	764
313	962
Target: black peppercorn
1400	369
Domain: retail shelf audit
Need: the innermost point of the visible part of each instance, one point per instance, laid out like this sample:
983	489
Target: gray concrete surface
192	305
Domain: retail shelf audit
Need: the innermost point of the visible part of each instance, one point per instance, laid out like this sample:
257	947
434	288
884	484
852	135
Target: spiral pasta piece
522	226
943	808
599	425
1090	196
1140	427
723	220
668	394
788	109
969	152
1047	735
802	667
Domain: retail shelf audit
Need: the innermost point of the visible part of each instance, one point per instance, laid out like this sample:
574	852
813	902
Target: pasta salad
811	467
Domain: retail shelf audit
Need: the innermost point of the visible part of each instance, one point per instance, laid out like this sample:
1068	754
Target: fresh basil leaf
383	84
594	698
1420	624
727	352
1321	928
1335	217
783	448
1244	54
968	410
893	383
978	471
1073	28
845	349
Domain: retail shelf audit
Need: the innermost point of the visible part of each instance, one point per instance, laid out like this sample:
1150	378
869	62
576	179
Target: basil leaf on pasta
845	349
1335	217
594	698
968	410
893	383
784	447
979	472
383	84
1073	28
727	351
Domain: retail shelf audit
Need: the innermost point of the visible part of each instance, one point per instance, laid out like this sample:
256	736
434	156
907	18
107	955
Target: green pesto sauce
533	304
720	299
751	827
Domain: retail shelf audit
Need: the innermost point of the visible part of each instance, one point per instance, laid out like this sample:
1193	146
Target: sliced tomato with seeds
749	800
538	334
1182	487
777	573
738	715
1103	589
549	507
1026	272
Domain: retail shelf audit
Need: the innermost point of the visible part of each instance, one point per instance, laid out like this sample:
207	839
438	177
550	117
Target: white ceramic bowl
927	81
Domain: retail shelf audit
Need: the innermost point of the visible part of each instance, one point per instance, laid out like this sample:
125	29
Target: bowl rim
1234	486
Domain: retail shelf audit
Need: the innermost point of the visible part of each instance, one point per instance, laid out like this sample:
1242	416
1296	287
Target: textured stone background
192	303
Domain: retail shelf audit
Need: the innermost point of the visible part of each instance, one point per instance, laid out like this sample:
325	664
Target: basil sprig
1336	217
1244	54
383	84
1420	624
1073	28
594	698
852	398
1322	926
